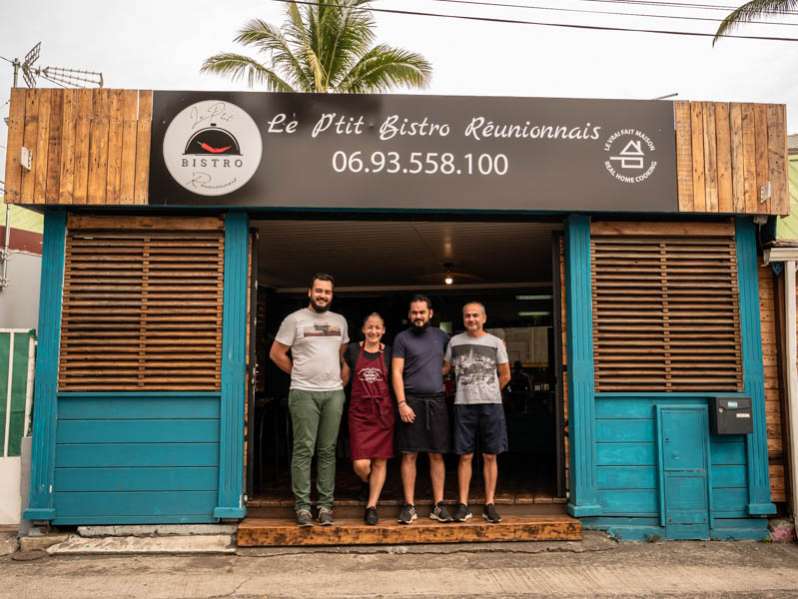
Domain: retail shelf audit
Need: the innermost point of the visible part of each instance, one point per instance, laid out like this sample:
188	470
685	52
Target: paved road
597	567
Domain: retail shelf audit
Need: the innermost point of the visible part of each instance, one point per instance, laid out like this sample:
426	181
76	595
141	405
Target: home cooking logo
212	148
629	158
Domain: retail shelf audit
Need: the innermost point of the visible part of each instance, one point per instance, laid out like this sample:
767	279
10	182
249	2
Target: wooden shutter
142	307
665	306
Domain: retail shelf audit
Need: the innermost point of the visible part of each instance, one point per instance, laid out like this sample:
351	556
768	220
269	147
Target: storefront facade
145	349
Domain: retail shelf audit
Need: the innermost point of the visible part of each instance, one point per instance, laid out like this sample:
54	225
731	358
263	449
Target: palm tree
323	47
752	10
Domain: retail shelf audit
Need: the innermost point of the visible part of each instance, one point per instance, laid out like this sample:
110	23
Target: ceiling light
535	313
542	296
449	279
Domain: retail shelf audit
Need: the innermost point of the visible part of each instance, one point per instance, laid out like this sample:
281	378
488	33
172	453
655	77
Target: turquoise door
684	486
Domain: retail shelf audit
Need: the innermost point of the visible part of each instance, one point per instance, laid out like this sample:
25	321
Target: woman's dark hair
321	276
422	298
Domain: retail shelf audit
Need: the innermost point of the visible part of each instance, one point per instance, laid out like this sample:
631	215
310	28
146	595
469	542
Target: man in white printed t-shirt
481	369
316	339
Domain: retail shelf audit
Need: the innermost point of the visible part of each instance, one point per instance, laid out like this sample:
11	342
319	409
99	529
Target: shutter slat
142	310
665	313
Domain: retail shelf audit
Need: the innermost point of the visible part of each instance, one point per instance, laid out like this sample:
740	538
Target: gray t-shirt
315	340
475	360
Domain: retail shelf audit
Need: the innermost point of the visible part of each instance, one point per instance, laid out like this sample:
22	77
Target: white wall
19	301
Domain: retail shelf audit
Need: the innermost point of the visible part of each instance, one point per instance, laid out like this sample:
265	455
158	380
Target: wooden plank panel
762	171
777	168
749	159
710	157
655	229
154	223
141	194
737	162
53	174
724	161
42	147
83	127
115	129
697	133
130	109
68	126
684	156
98	148
254	532
16	132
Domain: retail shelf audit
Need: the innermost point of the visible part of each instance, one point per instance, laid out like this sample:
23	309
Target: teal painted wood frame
583	500
234	368
753	369
41	506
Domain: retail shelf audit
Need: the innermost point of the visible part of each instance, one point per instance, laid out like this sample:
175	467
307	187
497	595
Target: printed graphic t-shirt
423	354
475	360
315	340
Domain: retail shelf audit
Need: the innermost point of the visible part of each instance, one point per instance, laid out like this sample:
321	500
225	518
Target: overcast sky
149	44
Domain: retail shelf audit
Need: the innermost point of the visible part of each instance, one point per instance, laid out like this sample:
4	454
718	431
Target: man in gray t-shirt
481	369
316	339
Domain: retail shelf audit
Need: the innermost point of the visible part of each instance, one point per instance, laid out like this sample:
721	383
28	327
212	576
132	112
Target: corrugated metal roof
22	218
787	227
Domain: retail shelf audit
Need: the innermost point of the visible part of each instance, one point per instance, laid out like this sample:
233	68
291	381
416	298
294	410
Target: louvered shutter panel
665	310
142	306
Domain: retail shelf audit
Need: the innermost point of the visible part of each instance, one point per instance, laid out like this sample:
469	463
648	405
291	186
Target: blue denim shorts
483	422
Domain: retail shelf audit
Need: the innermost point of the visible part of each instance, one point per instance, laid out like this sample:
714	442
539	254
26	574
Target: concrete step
275	532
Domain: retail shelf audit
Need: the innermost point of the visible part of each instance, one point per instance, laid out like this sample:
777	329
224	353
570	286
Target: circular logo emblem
630	159
212	147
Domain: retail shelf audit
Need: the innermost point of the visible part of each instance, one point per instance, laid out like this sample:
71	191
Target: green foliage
323	47
751	11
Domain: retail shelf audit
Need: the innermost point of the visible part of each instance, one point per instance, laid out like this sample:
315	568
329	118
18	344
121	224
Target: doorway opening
511	267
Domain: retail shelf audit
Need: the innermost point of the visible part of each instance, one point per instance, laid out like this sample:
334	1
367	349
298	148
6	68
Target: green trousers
315	419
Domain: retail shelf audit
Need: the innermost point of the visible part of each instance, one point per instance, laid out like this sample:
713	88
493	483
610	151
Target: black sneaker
371	517
462	513
490	514
408	514
304	518
325	516
440	513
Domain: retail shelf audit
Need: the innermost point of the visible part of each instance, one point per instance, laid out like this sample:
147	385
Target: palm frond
347	38
300	31
238	66
268	39
384	68
750	11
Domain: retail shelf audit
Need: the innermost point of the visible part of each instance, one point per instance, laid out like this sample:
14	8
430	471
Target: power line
539	23
602	12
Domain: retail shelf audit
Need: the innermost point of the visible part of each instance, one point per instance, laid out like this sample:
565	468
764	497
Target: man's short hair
476	303
321	276
422	298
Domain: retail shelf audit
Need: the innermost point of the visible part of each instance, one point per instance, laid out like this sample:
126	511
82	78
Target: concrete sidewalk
596	567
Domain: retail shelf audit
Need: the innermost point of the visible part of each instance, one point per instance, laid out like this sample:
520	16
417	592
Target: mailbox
731	416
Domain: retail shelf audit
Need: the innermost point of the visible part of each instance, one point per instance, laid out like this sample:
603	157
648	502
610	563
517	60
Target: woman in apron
371	410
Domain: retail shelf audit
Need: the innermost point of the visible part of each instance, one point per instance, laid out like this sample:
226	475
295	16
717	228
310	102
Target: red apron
371	413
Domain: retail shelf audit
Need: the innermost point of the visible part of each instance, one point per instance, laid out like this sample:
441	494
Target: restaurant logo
212	148
630	156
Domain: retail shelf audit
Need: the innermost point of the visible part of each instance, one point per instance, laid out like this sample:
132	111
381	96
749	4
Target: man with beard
316	339
416	369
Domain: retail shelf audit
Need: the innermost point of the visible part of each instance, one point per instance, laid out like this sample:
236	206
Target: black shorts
429	432
485	420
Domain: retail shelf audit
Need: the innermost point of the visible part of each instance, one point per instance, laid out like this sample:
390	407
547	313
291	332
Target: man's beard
419	329
319	309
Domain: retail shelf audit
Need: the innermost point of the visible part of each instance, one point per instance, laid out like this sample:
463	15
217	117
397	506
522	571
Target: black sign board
412	152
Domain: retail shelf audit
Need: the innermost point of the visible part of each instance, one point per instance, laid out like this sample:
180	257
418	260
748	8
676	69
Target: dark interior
519	296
